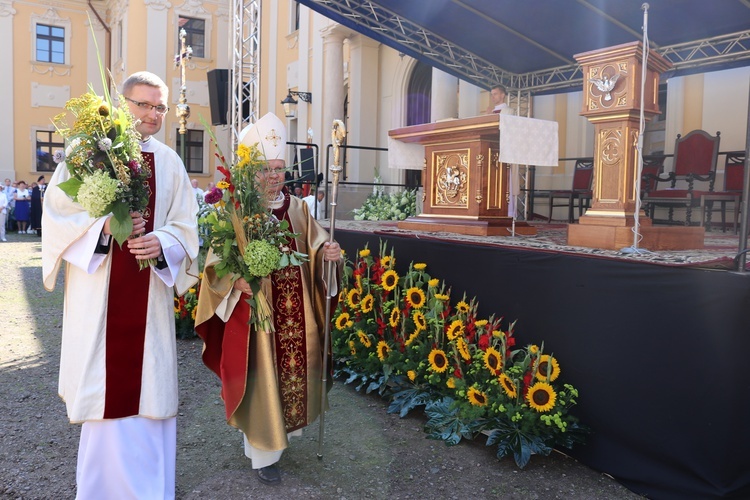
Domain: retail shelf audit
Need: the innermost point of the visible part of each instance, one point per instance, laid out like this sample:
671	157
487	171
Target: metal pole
742	251
183	110
338	134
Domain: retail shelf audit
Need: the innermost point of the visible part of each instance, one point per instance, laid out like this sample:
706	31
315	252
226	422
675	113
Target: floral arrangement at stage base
402	336
184	312
394	206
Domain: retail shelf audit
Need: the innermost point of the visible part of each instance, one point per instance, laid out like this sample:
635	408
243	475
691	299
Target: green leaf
71	186
121	224
283	260
406	400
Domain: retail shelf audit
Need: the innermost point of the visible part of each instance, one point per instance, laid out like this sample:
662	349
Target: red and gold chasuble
127	308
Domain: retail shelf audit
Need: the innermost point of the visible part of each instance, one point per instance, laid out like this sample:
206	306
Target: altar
470	170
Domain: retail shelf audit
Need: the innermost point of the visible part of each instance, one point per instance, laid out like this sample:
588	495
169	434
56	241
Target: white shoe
30	231
4	239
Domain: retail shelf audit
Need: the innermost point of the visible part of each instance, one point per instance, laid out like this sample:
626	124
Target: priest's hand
331	251
145	247
139	224
243	286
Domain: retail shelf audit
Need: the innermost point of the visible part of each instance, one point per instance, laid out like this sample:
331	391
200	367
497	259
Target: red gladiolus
484	341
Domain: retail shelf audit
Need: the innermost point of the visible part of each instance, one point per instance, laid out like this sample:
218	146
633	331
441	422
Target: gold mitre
269	133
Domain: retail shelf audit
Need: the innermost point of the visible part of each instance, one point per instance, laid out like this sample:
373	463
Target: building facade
53	49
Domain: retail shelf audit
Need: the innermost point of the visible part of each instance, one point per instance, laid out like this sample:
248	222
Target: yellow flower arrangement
419	350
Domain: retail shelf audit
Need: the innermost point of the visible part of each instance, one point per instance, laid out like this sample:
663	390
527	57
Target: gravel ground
367	454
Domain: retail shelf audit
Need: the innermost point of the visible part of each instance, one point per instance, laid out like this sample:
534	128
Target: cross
273	137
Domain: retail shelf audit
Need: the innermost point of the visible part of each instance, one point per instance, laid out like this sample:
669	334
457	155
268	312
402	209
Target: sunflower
455	329
415	297
480	322
493	360
419	320
463	349
364	339
358	280
462	307
420	266
366	303
343	321
352	298
352	348
383	350
389	280
451	383
387	261
364	253
412	338
476	397
395	316
433	283
541	397
442	296
508	386
533	349
438	361
544	364
412	375
176	305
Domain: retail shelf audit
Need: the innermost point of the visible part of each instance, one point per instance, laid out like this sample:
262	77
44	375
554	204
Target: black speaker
307	164
218	95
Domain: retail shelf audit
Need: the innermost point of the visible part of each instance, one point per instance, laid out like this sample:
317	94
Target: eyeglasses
273	171
160	108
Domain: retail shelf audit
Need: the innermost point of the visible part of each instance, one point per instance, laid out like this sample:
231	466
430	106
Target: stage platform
657	343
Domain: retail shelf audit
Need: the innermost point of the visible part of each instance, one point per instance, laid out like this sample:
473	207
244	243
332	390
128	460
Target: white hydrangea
97	192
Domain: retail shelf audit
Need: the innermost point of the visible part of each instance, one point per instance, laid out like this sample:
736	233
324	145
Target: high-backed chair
695	157
734	181
653	167
580	191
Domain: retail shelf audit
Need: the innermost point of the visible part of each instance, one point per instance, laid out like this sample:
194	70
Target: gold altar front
465	185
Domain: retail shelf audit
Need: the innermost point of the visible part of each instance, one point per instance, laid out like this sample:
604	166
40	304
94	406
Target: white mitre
269	133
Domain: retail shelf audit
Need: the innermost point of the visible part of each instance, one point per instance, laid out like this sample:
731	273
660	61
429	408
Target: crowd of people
21	207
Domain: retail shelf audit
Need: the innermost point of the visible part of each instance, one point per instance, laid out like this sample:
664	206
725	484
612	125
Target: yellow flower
387	261
366	303
533	349
352	298
200	275
191	290
364	253
383	350
415	297
358	279
544	364
441	296
451	383
438	361
412	375
389	280
343	321
493	361
455	329
541	397
395	315
222	184
412	338
352	348
420	266
463	349
192	314
462	307
364	339
434	282
508	386
476	397
419	322
480	322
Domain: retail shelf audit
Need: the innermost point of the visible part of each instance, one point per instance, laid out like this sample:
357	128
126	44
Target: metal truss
245	90
419	42
468	66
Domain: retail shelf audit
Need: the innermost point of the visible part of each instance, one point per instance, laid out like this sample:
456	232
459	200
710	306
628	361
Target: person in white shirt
315	204
3	212
497	102
199	193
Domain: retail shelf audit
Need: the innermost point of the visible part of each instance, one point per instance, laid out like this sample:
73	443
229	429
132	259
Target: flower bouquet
248	240
402	335
103	156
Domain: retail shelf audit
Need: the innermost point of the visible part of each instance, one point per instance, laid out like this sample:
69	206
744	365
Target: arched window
418	98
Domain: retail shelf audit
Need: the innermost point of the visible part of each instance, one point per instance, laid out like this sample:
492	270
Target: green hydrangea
261	258
97	193
380	206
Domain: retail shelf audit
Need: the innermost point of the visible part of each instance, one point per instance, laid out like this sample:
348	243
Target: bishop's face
272	177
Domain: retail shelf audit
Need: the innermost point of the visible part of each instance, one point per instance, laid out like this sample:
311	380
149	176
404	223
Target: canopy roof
530	44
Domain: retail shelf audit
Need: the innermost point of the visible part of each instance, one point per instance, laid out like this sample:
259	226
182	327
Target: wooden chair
695	158
580	191
653	167
734	181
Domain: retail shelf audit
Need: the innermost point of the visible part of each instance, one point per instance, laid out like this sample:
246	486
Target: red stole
127	308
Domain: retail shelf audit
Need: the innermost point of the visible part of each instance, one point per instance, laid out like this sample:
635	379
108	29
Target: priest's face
272	177
149	105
